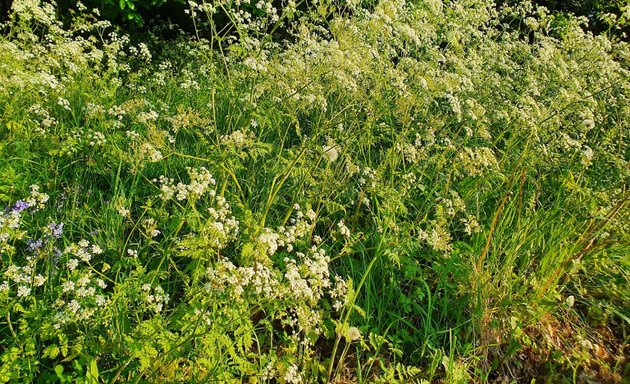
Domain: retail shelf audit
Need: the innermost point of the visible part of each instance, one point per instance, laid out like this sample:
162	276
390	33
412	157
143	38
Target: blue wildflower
19	206
57	229
34	245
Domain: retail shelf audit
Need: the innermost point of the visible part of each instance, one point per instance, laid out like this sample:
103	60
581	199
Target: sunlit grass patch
405	192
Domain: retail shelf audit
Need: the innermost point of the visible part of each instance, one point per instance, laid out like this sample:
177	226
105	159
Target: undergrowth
429	191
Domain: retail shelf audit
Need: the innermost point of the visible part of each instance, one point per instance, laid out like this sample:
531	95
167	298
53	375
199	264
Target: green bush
125	12
408	192
585	7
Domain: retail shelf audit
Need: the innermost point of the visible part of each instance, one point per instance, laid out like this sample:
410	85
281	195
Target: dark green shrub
583	7
5	7
128	12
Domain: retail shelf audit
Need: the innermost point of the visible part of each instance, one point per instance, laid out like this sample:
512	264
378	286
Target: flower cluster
80	297
154	297
398	127
23	279
201	182
83	251
478	161
285	237
300	288
11	218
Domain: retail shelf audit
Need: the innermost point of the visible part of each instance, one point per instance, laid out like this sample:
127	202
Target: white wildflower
39	280
72	264
100	300
353	334
331	153
293	376
74	306
23	291
343	229
68	286
588	124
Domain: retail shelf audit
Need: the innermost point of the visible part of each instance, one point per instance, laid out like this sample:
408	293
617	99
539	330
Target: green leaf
52	351
91	376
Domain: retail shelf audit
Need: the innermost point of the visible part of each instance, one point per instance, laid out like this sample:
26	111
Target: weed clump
397	192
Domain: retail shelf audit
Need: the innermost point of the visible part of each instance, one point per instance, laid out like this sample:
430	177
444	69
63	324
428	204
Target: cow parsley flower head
23	291
343	230
269	239
353	334
331	151
588	123
72	264
532	23
293	375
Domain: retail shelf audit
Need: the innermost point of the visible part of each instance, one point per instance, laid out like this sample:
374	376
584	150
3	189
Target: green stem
350	308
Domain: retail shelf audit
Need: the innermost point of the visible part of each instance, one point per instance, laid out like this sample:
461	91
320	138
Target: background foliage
431	191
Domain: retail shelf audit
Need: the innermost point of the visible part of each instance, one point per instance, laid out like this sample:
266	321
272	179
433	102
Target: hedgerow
431	191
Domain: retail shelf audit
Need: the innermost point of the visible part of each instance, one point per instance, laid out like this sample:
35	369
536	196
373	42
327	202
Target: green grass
414	193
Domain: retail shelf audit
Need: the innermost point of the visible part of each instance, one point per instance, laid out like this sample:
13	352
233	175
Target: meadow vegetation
333	191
